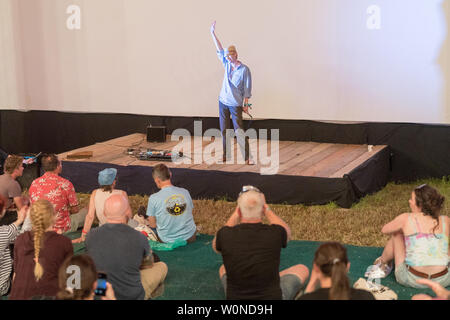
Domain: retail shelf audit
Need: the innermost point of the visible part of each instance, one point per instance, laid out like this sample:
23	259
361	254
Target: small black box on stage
156	134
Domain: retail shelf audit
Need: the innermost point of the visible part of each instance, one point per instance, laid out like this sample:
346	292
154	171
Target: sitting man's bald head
116	208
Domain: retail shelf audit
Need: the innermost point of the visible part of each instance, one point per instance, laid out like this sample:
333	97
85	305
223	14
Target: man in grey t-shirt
124	254
10	188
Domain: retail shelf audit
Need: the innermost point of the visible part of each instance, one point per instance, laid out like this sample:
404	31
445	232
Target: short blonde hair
251	204
231	49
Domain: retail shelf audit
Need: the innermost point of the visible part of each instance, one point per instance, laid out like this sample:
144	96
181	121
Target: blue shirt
237	84
172	208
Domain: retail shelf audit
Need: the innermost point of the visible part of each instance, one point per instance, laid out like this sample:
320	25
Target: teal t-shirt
172	207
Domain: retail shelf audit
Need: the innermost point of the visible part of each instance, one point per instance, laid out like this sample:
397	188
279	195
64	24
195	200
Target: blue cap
107	176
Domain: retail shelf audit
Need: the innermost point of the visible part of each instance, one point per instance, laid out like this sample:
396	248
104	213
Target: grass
360	225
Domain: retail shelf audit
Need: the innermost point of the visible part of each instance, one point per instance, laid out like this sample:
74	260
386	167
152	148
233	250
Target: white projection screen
335	60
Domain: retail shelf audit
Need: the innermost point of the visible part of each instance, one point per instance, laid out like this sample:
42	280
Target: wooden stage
312	159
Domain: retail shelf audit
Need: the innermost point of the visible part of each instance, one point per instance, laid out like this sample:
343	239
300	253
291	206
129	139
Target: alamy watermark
259	153
74	279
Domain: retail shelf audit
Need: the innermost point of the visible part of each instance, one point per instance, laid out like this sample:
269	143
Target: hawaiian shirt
60	192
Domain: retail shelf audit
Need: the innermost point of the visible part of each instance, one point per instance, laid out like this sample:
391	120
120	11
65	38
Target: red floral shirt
60	192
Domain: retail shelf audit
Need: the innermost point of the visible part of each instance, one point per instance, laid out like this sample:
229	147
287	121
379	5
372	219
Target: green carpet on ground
193	269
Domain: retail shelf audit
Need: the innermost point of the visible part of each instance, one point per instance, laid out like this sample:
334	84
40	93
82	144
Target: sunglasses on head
249	188
421	186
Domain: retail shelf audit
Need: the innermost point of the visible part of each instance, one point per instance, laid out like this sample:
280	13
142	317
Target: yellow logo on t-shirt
176	205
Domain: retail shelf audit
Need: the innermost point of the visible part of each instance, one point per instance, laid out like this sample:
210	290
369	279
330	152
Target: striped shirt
8	234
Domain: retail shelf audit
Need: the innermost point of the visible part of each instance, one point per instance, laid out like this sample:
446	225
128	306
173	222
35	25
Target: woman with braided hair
329	280
419	242
38	254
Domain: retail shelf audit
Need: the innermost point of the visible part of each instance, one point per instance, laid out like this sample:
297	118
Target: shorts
407	279
290	285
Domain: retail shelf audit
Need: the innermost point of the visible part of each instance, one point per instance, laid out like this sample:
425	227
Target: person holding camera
236	90
251	252
90	285
124	254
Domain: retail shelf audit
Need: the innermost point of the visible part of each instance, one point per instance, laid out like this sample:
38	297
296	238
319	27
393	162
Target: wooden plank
334	166
199	150
334	161
282	145
295	158
125	141
304	152
313	159
97	149
295	151
358	161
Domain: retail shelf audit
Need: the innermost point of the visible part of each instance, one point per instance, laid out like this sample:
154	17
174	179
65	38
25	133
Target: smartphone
101	284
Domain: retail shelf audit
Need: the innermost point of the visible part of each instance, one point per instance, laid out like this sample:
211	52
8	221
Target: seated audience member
124	254
418	243
107	181
170	209
60	192
38	254
441	292
329	280
10	188
87	282
251	252
8	234
3	156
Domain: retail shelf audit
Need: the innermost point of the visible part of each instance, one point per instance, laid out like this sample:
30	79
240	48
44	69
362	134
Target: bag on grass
379	291
147	231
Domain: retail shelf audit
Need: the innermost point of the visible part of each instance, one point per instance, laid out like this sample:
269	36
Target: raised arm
272	218
216	41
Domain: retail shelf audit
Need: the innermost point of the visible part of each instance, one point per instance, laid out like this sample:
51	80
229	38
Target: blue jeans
236	116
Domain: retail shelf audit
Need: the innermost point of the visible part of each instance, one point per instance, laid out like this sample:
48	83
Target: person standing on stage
233	98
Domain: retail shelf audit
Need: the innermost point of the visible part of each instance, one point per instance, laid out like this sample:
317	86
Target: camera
101	284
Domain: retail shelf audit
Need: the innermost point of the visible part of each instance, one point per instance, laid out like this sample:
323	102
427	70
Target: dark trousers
236	116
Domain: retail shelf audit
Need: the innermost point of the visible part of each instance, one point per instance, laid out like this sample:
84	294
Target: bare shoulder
402	217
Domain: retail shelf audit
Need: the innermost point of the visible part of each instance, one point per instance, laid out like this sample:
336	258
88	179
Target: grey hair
251	205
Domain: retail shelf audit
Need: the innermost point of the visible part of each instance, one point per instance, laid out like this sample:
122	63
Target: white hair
251	205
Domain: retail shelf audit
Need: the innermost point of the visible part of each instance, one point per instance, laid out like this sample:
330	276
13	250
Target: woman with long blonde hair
38	254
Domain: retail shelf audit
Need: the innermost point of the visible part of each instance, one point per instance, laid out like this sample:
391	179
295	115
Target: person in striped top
8	234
